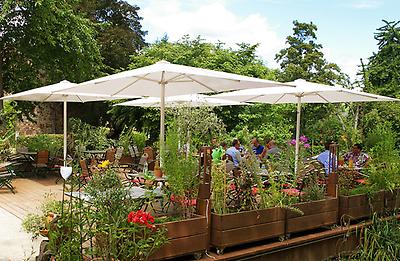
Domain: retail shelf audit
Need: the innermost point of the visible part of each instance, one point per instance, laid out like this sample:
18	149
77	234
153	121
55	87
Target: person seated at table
270	150
359	158
218	153
325	158
234	153
257	147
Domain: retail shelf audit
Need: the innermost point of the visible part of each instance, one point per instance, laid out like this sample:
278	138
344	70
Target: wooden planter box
316	214
126	159
359	206
184	237
392	200
243	227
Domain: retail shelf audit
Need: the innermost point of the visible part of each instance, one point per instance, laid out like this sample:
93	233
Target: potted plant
188	233
314	209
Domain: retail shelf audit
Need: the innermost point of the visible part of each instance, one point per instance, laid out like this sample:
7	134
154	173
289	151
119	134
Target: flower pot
244	227
360	206
185	237
316	214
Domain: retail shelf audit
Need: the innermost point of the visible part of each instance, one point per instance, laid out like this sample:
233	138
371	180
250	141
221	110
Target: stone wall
48	118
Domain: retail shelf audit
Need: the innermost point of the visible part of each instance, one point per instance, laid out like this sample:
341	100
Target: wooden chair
41	162
85	174
6	176
110	155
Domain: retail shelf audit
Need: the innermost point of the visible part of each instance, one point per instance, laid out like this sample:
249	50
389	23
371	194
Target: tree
381	75
43	42
303	58
119	30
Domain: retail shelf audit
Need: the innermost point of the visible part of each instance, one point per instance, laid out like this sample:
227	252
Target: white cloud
366	4
212	21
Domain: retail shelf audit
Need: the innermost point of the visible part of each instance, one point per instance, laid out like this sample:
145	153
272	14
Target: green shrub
51	142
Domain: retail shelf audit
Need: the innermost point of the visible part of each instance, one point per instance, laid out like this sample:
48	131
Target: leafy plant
129	137
88	136
379	241
51	142
181	169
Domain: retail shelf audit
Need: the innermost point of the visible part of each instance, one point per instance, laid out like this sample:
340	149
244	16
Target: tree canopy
43	42
119	31
303	58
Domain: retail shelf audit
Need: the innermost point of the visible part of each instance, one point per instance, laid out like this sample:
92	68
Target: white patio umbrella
51	93
304	92
192	100
164	79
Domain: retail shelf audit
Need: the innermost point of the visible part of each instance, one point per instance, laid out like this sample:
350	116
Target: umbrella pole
65	133
296	158
162	119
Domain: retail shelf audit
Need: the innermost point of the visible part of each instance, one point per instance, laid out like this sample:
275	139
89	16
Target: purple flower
307	146
293	142
303	139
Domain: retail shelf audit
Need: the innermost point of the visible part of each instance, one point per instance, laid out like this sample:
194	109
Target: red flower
142	218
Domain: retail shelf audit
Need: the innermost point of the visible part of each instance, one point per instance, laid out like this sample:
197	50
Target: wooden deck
29	194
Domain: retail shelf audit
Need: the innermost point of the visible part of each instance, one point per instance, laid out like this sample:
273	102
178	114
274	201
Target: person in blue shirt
234	152
324	158
257	147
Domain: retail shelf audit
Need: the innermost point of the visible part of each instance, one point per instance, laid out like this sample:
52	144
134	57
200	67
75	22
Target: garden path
15	244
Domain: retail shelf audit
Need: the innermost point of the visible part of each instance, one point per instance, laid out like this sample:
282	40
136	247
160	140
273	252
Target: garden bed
361	206
316	214
184	237
243	227
392	200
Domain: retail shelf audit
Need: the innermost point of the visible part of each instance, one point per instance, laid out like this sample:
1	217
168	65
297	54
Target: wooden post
331	186
203	198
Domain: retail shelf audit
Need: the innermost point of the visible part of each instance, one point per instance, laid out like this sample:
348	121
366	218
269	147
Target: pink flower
303	139
293	142
307	146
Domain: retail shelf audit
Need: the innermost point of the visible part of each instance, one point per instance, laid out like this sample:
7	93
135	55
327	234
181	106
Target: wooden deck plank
29	195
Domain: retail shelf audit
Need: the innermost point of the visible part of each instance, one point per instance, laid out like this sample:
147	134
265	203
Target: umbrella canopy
164	79
303	92
52	93
193	100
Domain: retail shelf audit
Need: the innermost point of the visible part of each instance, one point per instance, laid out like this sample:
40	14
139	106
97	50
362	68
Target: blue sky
345	28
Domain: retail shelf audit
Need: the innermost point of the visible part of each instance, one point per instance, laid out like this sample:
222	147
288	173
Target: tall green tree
381	75
303	58
45	41
119	31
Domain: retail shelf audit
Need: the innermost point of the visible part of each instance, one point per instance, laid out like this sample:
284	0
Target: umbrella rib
280	98
176	77
253	98
322	97
77	96
130	84
48	96
202	84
